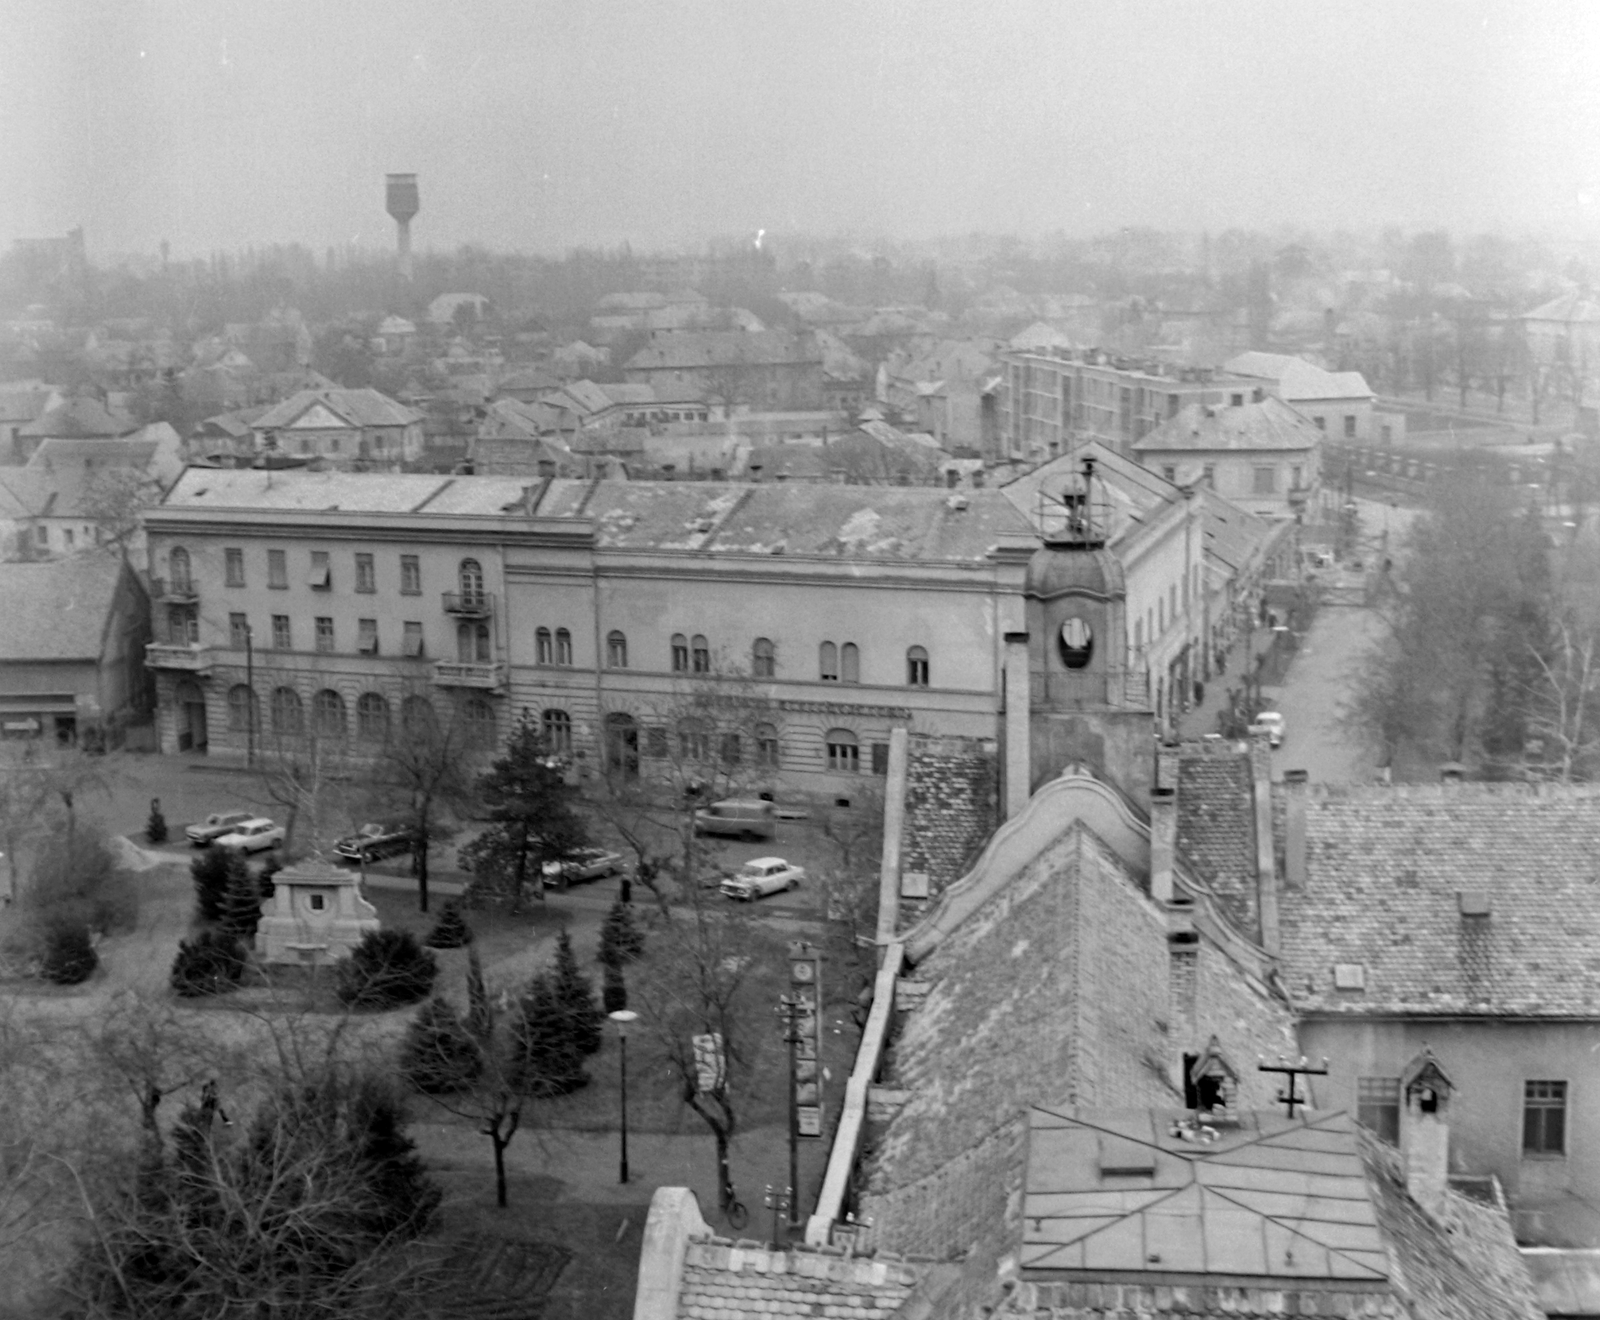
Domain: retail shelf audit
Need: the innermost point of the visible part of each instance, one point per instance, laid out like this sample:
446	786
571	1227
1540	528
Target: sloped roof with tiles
58	609
363	407
723	1280
1217	825
1270	426
1449	898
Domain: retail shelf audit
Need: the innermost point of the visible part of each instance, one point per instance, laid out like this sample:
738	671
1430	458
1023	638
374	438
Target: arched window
178	566
471	579
557	726
732	749
1077	642
763	659
372	718
680	654
327	714
702	655
477	719
828	663
767	745
242	704
694	740
849	663
917	667
288	717
616	651
844	751
622	745
472	643
563	647
544	647
417	716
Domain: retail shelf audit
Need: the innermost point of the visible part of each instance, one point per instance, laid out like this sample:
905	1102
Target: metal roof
1137	1192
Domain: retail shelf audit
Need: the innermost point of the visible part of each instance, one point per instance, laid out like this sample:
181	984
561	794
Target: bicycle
733	1208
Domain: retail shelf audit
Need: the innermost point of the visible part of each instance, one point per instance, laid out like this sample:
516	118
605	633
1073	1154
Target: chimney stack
1425	1129
1163	842
1294	842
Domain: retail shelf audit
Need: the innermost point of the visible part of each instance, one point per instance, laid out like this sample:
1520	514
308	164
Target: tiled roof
1217	826
1570	308
76	417
529	378
1126	492
1270	426
57	609
358	407
1386	869
22	403
727	1281
1296	379
1232	534
697	350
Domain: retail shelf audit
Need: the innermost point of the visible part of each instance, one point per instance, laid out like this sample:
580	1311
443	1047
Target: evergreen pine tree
209	964
241	905
155	828
621	941
451	930
269	869
386	969
213	870
69	955
547	1058
439	1054
613	990
575	995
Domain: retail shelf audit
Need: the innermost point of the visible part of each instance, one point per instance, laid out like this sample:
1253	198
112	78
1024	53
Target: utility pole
250	704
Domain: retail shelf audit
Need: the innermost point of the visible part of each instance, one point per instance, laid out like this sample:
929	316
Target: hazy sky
540	125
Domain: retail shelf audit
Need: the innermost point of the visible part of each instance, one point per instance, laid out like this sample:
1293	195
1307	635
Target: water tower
402	204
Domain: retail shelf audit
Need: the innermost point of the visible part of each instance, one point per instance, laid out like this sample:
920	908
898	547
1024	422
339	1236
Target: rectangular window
367	636
1349	427
1266	481
1170	473
880	758
1544	1118
1378	1107
277	569
655	742
1296	473
233	566
324	632
410	575
321	577
1238	401
412	640
282	639
1322	423
366	575
238	631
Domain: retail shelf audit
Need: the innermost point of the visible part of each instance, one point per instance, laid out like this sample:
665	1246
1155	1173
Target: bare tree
306	776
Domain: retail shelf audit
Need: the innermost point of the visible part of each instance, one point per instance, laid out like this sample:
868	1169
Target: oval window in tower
1077	643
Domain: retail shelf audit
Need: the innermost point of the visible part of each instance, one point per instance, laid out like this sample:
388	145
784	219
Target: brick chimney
1163	842
1425	1092
1294	832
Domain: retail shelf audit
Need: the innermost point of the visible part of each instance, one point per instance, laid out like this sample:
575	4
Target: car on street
762	876
1269	722
373	842
256	834
583	864
214	826
739	818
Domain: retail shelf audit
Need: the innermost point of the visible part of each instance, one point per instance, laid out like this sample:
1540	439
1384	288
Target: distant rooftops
1298	381
1268	425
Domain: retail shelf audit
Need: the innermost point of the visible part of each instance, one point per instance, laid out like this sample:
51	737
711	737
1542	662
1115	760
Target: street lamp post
622	1017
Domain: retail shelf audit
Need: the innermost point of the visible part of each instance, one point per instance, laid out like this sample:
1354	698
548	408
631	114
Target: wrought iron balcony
173	590
469	604
466	674
190	657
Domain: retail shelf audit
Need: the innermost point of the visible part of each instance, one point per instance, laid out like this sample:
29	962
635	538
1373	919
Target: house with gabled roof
1339	403
356	429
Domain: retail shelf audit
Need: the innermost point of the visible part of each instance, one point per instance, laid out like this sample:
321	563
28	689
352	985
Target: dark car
582	864
372	842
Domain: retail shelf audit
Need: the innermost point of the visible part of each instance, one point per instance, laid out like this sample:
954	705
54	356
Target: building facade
358	429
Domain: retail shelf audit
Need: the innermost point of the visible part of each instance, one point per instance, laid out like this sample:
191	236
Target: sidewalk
1202	719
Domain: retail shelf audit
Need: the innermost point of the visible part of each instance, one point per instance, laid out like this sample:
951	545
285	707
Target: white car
762	876
215	825
1269	722
254	835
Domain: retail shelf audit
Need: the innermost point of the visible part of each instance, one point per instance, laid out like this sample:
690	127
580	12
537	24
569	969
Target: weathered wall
952	806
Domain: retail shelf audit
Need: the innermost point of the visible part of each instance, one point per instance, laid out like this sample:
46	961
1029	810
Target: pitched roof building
1264	456
360	429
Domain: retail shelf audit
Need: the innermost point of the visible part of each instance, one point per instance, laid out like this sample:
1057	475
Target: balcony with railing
483	675
173	590
469	604
190	657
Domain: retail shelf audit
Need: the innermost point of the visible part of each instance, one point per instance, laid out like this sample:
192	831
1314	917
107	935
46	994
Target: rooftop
1271	426
723	1280
697	350
363	407
1475	898
57	609
1296	379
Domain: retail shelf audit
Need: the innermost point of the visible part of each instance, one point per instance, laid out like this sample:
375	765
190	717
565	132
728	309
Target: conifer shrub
209	964
450	931
621	941
69	954
547	1050
386	969
214	870
575	994
439	1054
155	827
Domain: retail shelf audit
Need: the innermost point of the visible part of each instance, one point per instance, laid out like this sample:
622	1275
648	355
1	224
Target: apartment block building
1052	399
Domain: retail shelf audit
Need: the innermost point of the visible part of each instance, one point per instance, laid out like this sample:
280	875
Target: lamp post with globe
622	1017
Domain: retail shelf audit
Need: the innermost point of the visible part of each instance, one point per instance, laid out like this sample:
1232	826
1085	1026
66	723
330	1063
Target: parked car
255	834
373	842
214	826
762	876
1269	722
583	864
741	818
